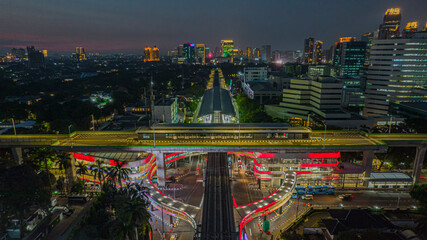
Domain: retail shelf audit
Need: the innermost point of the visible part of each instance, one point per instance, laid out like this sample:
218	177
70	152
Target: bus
300	189
320	189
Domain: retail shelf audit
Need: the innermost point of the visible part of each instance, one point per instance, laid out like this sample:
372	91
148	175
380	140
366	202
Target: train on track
204	131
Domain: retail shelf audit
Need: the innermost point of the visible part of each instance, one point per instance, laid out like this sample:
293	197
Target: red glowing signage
324	155
84	157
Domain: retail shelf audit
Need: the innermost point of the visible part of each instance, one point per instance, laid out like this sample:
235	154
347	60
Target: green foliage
116	214
21	189
78	186
419	192
118	172
251	111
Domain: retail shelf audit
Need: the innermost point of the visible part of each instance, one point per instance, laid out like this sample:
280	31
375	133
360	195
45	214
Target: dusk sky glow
130	25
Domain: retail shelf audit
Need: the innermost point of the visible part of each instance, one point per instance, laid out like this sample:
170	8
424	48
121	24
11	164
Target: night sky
129	25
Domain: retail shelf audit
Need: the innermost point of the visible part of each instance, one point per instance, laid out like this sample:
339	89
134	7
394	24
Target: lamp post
13	123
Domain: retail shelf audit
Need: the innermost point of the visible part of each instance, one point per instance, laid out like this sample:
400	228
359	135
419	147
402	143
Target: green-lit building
227	47
349	57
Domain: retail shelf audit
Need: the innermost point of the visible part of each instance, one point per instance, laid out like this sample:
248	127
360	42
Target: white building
397	73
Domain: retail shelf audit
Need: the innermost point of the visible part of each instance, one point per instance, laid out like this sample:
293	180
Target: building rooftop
390	177
355	219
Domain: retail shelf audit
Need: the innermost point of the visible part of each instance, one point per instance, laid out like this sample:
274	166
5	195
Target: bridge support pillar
418	163
161	168
17	155
368	156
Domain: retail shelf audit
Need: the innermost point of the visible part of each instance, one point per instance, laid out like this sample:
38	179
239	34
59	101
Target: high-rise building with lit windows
155	54
189	51
397	74
200	53
318	52
147	54
257	53
391	23
410	29
227	47
308	50
80	54
349	57
266	53
249	52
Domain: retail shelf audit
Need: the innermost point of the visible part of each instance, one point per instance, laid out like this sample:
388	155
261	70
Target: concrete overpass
114	141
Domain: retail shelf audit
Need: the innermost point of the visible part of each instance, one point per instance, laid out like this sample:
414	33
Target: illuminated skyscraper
180	50
308	50
227	47
189	51
266	53
80	54
318	52
249	52
200	53
257	53
349	57
147	54
44	53
410	29
390	26
396	74
155	54
367	37
35	58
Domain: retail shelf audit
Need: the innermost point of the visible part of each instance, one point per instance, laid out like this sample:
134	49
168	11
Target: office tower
349	57
208	53
79	55
18	53
200	53
289	56
396	74
257	53
319	97
390	26
347	39
318	52
35	58
227	47
328	55
180	50
367	37
44	53
189	51
249	52
410	29
266	53
277	56
308	50
155	54
147	54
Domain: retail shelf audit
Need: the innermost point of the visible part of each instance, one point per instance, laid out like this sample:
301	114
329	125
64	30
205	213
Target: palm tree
135	212
81	169
98	171
119	172
43	157
64	163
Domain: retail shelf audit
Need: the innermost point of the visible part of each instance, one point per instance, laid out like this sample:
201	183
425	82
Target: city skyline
129	27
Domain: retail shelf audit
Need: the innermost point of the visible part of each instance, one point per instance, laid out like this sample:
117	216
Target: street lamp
13	123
